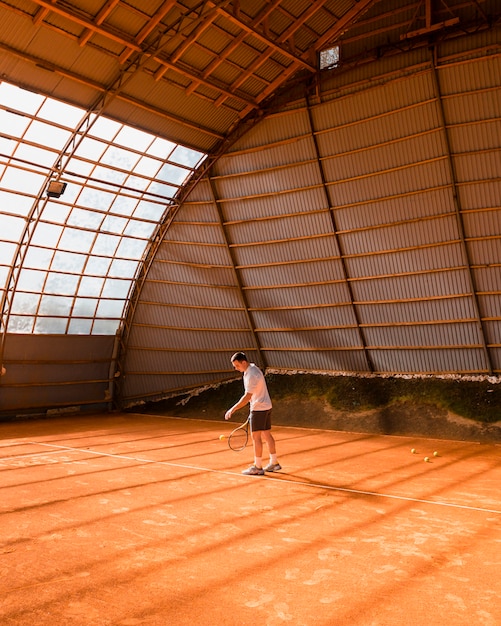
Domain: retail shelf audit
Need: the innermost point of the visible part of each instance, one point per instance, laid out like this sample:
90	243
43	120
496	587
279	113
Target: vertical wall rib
261	361
370	367
458	212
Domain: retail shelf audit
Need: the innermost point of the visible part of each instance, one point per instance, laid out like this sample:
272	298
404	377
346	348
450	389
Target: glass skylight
67	263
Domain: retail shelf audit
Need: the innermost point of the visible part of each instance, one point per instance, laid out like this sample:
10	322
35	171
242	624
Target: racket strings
238	439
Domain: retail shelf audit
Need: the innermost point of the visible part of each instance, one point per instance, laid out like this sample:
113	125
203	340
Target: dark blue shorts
260	420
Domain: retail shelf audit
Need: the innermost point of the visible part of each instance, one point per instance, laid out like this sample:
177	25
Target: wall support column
458	211
346	277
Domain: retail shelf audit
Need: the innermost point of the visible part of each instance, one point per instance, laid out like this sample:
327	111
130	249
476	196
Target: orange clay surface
128	520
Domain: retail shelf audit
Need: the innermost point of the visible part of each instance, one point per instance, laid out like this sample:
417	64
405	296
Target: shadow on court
137	519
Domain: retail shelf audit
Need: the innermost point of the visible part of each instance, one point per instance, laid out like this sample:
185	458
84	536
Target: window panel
123	269
76	240
85	307
38	258
15	203
148	166
19	99
162	148
109	175
18	324
95	198
113	224
165	191
120	158
123	206
133	138
31	280
7	251
90	149
105	128
79	166
84	249
90	286
55	111
25	303
150	211
55	305
11	228
47	135
173	174
140	229
7	147
131	249
85	219
110	308
50	326
80	327
106	245
63	284
47	234
136	184
97	266
68	262
115	288
186	156
23	181
36	156
13	125
57	213
105	327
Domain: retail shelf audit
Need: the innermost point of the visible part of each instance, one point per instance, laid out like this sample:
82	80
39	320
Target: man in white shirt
256	394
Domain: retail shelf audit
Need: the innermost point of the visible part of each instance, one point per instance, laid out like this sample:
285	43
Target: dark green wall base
429	407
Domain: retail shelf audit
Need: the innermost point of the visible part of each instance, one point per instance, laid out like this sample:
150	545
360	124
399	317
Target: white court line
374	494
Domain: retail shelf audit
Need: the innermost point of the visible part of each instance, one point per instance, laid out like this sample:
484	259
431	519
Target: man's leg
273	465
257	468
270	441
258	447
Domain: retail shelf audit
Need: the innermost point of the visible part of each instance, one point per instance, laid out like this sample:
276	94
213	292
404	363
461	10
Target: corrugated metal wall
48	373
359	231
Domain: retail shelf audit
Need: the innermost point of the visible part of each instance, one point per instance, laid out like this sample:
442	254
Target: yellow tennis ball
426	459
413	450
435	453
222	437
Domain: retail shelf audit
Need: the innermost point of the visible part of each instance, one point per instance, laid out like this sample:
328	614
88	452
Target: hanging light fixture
55	189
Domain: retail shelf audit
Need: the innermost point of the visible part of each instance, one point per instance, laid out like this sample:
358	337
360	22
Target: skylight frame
88	244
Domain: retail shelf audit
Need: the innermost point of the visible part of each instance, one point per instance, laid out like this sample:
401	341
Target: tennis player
256	394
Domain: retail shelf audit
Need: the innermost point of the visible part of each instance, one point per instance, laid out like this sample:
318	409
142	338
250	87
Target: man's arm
245	399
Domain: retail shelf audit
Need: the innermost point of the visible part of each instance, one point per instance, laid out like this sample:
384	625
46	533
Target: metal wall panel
45	372
314	270
263	205
365	221
441	361
318	360
395	262
336	315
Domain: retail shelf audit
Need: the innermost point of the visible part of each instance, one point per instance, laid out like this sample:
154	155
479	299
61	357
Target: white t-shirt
255	384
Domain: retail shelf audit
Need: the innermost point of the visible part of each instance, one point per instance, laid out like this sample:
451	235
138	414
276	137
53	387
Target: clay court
131	519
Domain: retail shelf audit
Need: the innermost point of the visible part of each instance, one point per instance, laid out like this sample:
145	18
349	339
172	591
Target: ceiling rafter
343	23
165	64
269	42
149	27
289	32
235	43
103	90
99	19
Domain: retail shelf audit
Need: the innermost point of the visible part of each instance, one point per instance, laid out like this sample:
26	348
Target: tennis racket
239	437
